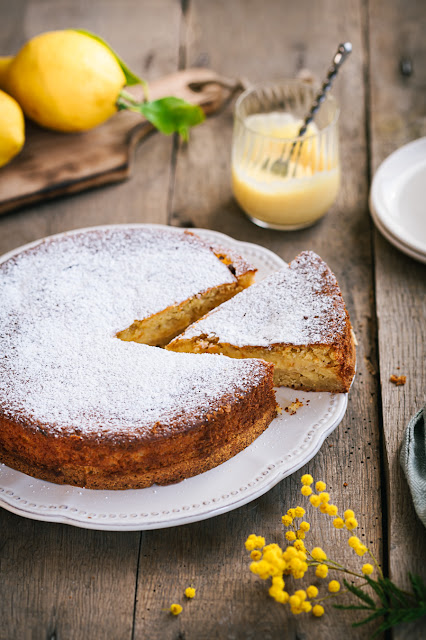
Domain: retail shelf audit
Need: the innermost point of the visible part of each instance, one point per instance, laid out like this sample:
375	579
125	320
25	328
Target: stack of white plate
398	199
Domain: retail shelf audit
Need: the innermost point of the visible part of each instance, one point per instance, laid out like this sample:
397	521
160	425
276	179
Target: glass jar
280	180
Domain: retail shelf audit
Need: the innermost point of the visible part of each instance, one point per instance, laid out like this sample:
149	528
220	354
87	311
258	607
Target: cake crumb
279	409
345	484
293	407
398	380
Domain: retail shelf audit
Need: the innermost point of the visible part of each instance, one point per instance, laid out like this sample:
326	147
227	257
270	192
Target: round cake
80	406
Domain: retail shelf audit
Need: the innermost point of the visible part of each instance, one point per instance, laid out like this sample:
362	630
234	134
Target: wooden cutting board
54	164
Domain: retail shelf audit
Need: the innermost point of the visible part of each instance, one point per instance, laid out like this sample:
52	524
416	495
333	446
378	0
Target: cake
295	318
80	406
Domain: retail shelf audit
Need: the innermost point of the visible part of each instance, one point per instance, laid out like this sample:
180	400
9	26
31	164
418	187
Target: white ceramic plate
398	199
289	442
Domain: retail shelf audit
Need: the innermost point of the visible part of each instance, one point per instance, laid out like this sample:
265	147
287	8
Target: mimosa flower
315	501
307	479
299	512
320	485
334	586
287	520
367	569
318	554
304	526
318	610
351	523
190	592
338	523
175	609
321	571
312	591
306	491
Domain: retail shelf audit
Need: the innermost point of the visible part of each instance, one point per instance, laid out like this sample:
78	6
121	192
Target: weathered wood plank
274	40
397	116
59	581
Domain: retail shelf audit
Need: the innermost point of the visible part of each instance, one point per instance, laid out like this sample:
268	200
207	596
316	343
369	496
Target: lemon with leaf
71	80
12	128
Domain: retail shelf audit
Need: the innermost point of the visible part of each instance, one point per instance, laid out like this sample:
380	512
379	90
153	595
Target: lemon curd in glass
280	180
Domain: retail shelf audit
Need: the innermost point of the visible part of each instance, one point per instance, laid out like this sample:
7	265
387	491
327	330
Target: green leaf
131	78
376	614
357	591
378	588
172	115
419	587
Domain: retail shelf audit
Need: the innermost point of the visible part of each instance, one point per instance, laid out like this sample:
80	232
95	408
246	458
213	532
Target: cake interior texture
295	318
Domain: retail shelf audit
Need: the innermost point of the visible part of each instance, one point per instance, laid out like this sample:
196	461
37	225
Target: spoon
281	165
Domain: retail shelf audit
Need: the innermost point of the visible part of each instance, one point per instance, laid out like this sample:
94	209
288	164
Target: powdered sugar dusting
62	304
300	304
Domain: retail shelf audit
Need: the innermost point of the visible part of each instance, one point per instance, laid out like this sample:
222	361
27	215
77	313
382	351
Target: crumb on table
398	380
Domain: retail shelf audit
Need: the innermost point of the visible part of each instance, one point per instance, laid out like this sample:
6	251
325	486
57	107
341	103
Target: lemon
12	128
4	68
65	80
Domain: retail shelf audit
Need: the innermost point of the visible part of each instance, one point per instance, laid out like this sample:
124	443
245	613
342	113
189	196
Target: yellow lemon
4	68
65	80
12	128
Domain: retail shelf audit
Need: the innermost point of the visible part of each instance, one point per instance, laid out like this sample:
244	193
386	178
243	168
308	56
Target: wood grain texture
397	115
242	39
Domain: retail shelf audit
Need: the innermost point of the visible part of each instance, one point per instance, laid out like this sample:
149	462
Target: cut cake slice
295	318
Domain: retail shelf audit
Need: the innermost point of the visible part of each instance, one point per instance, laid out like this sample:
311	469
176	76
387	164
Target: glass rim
294	82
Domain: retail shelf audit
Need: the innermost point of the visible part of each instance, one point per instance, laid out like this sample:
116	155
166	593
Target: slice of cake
295	318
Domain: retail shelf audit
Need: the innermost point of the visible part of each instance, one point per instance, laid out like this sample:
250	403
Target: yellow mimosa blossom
295	601
321	571
312	591
277	594
190	592
323	507
334	586
175	609
353	542
318	554
290	536
306	606
254	542
351	523
318	610
324	496
299	511
301	593
332	510
348	514
305	490
367	569
291	513
361	549
299	545
307	479
289	553
255	554
287	520
305	526
277	581
320	485
338	523
315	501
300	534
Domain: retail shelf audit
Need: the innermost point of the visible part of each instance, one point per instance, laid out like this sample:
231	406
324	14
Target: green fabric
413	461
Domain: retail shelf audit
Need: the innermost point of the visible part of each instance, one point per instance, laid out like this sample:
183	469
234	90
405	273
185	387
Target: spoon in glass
281	165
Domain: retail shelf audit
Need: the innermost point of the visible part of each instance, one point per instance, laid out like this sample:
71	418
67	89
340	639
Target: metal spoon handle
342	53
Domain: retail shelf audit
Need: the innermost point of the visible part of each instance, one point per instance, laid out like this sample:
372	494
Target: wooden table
61	582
